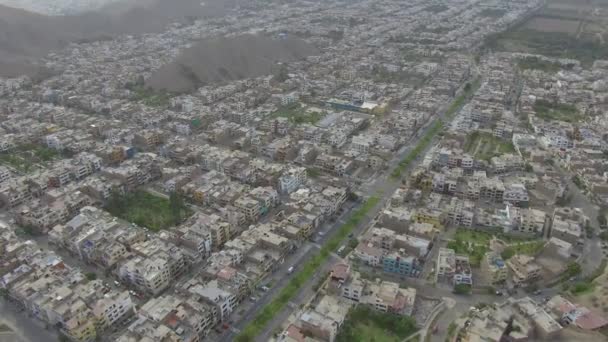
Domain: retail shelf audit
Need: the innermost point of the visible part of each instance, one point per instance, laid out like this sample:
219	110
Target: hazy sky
57	7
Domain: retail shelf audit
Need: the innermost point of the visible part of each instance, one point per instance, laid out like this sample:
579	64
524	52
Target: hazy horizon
58	7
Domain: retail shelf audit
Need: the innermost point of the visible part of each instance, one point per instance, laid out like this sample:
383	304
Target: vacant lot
553	25
556	111
27	157
593	293
147	210
484	145
363	324
562	29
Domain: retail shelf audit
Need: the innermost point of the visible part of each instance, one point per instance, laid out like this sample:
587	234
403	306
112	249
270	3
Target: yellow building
198	195
81	327
429	216
117	155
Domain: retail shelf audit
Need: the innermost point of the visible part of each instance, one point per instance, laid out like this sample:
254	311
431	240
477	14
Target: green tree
282	74
467	87
462	289
91	275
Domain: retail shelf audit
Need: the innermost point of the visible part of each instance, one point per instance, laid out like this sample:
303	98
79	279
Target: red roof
590	321
295	333
340	271
226	273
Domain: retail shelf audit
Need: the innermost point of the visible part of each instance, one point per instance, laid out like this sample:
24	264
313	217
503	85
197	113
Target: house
524	269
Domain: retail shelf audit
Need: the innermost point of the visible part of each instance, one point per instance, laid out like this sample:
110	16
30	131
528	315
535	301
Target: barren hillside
26	36
225	59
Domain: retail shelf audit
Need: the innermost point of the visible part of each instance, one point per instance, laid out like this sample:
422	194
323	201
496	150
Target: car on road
290	270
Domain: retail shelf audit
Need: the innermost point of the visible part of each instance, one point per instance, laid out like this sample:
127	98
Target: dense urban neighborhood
302	171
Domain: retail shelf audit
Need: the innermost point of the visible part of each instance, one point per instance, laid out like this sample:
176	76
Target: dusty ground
597	300
553	25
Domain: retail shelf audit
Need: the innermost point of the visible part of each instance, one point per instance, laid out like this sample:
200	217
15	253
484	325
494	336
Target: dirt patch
553	25
596	300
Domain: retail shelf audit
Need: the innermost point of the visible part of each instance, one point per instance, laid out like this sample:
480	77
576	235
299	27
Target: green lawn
474	251
484	146
471	243
363	324
556	111
297	113
528	248
475	244
480	238
306	271
151	98
313	172
25	157
369	332
147	210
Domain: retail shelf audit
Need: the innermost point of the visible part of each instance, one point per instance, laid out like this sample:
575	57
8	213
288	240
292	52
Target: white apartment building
113	308
291	180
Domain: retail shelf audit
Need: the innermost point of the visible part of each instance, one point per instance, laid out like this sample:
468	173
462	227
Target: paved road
281	277
383	187
592	255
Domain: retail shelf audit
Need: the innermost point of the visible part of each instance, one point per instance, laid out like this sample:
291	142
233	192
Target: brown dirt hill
225	59
27	36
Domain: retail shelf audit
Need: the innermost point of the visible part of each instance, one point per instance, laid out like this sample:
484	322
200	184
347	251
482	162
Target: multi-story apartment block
524	269
292	179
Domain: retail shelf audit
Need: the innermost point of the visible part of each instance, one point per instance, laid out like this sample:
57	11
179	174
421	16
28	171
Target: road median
255	327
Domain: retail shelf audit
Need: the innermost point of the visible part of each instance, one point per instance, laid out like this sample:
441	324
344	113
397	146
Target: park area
147	210
527	248
475	244
484	146
363	324
472	244
556	111
27	157
298	114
